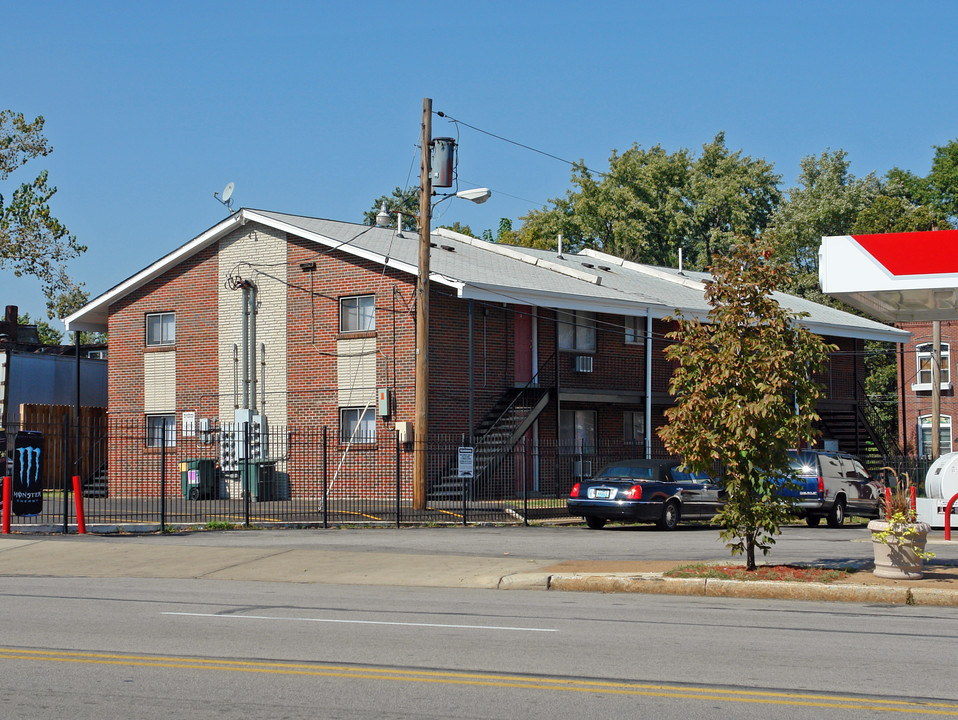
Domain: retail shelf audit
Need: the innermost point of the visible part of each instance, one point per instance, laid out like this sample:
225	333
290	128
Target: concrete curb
754	589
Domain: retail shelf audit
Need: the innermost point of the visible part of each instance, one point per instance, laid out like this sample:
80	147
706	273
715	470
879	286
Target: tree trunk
750	554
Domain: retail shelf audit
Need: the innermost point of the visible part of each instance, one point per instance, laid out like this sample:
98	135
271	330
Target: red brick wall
918	403
190	290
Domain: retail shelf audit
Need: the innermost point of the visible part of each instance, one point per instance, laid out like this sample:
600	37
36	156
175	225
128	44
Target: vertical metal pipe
398	479
64	446
249	467
245	347
252	348
903	430
648	384
325	478
235	376
76	406
262	378
936	389
163	477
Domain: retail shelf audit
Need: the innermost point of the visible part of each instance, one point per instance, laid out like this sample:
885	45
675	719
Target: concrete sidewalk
300	558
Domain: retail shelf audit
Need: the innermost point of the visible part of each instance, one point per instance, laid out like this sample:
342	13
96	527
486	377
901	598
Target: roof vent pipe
559	254
680	261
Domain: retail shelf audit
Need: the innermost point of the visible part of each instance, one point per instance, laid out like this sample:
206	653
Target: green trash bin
259	476
198	479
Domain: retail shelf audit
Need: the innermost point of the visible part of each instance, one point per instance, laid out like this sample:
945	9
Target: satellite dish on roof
227	195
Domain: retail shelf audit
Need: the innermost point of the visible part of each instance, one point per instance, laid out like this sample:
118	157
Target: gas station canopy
894	277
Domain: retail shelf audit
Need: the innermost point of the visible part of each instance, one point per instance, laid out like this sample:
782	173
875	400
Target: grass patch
787	573
220	525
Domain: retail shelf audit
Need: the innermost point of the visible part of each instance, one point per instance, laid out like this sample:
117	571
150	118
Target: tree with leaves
745	393
32	240
826	201
652	203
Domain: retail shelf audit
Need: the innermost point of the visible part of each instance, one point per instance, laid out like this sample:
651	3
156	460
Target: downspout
252	348
648	383
245	347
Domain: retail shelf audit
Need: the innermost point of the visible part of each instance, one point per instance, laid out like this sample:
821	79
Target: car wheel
836	516
595	523
670	516
194	493
812	520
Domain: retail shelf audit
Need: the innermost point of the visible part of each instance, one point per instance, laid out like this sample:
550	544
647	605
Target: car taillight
821	486
634	493
575	491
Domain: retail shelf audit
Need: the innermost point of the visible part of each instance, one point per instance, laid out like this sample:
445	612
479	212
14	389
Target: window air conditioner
583	363
582	468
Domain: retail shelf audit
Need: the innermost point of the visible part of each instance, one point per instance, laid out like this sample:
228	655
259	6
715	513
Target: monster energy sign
27	475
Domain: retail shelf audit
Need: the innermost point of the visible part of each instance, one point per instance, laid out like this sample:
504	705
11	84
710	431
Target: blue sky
314	108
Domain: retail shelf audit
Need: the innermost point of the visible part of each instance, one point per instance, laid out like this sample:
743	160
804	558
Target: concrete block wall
259	254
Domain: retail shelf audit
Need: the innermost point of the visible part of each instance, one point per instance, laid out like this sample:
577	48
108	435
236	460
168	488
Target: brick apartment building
915	388
524	343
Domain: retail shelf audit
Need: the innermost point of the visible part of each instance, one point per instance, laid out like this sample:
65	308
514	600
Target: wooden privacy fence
60	437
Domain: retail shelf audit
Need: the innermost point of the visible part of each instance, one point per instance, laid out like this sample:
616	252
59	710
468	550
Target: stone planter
895	557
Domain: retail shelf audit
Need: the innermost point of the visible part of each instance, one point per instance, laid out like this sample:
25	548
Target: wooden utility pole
421	425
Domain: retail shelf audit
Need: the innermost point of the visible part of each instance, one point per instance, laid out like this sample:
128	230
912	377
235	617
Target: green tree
405	201
651	203
745	393
730	196
32	241
505	234
826	201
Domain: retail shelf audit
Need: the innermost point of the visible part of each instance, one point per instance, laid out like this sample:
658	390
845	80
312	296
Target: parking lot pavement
620	559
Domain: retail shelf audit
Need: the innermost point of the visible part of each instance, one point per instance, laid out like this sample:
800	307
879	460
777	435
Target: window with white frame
634	330
155	426
924	356
357	313
577	431
924	434
160	329
633	427
576	330
357	425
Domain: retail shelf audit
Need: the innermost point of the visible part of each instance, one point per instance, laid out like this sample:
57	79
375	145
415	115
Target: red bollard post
7	492
912	491
951	504
888	503
78	499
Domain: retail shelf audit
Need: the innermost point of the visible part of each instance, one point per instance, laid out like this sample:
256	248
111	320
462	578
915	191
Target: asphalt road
143	648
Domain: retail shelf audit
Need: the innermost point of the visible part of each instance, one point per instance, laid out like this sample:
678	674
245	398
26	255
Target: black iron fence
134	473
137	473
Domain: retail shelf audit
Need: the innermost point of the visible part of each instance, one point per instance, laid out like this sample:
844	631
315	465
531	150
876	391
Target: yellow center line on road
942	709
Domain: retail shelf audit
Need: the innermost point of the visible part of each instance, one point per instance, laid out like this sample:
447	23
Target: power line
522	145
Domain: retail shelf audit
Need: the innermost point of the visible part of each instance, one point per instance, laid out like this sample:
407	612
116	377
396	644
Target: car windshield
802	462
626	470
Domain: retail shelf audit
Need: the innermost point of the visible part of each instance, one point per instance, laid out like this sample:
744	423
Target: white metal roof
481	270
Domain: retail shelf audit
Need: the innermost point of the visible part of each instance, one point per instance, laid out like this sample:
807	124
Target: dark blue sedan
645	491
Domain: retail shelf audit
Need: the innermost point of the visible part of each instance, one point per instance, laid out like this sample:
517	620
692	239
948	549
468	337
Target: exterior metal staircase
497	434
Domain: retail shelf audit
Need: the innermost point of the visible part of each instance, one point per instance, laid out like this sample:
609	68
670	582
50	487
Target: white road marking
363	622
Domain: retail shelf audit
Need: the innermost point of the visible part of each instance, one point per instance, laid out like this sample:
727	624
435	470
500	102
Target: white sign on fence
466	458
